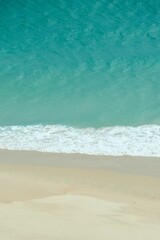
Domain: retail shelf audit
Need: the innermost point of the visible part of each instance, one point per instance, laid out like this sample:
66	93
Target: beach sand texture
70	196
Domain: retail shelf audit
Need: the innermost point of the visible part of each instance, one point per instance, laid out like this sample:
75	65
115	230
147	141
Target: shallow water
80	63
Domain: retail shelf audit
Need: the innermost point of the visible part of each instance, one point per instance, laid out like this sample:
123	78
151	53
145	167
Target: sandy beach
74	197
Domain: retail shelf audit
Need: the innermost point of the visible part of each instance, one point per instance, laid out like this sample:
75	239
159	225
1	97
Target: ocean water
80	76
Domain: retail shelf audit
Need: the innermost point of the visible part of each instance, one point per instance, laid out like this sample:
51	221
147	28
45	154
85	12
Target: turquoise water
80	63
80	76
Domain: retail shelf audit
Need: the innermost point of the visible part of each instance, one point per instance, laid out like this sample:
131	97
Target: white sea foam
136	141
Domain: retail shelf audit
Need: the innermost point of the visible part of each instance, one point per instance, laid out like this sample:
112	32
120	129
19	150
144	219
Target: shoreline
123	164
75	196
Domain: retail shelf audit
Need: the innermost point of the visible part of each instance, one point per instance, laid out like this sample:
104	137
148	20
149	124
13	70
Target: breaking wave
135	141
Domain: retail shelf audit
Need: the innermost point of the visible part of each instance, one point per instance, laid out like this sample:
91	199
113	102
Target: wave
135	141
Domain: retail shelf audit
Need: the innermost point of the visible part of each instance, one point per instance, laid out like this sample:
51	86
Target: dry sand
78	197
